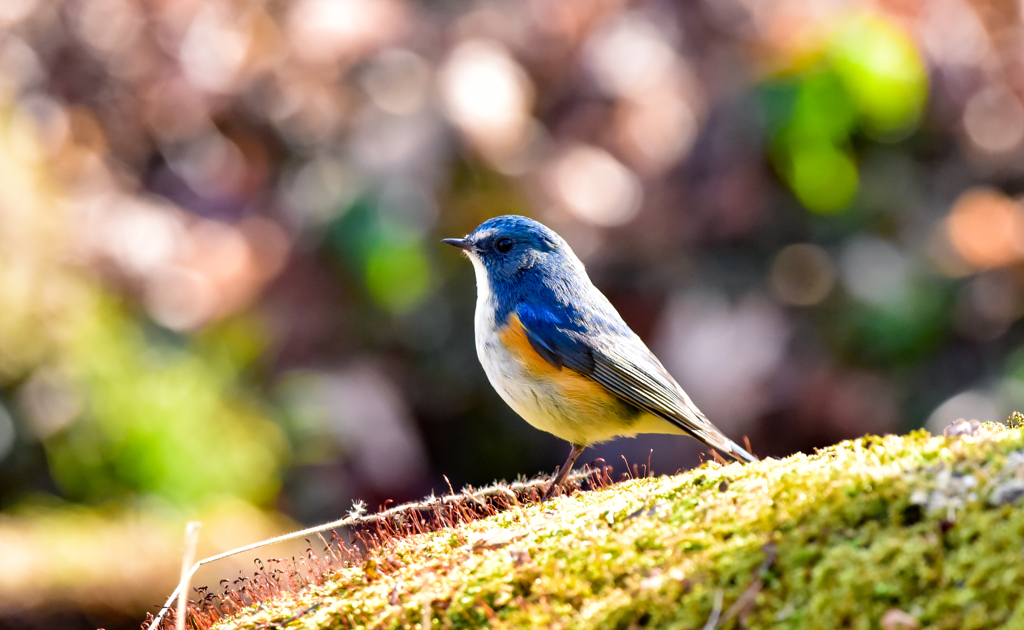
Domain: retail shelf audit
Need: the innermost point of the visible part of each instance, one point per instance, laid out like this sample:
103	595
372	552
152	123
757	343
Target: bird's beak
461	243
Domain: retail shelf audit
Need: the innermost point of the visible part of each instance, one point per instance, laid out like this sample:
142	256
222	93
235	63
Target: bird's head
506	246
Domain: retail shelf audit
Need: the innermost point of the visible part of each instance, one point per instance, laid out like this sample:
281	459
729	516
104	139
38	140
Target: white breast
540	404
504	372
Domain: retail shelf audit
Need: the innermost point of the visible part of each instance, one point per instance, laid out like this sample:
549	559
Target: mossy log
891	532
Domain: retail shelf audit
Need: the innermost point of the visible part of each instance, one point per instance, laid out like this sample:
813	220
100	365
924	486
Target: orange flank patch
577	390
518	345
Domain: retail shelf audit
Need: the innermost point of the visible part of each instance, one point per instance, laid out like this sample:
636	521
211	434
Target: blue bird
558	352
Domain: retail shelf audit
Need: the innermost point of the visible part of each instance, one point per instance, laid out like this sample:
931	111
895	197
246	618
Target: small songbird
558	352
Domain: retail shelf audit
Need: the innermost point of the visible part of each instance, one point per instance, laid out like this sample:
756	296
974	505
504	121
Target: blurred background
223	296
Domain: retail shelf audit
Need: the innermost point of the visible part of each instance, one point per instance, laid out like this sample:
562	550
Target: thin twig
191	538
741	607
716	611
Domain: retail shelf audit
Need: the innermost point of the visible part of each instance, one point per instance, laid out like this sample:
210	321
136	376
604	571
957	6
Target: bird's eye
503	245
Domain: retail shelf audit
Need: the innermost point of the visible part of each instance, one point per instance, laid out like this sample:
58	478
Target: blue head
510	246
517	258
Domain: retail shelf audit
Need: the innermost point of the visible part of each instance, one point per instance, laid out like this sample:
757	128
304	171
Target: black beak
461	243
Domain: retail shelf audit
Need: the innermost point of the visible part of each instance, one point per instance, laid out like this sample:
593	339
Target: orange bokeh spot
987	229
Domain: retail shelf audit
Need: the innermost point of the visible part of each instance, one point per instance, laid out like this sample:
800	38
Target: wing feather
625	366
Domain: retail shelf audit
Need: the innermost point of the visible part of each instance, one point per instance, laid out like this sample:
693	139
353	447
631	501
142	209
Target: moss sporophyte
914	531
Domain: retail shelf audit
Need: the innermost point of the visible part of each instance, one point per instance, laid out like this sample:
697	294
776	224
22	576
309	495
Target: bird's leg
564	470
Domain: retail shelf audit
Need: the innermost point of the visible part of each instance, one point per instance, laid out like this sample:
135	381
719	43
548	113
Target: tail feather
697	424
740	454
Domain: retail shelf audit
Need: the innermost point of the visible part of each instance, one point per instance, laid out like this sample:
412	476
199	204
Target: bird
558	352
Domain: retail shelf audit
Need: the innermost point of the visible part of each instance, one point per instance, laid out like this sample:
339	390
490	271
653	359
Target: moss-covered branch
893	532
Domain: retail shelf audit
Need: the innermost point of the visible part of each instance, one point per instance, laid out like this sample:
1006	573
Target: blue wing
612	355
555	340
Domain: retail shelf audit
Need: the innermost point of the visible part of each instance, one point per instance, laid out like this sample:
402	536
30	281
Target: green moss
832	540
